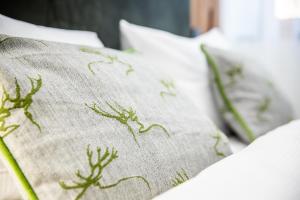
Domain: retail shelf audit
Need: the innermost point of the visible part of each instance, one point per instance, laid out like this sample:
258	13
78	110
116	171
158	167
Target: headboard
102	16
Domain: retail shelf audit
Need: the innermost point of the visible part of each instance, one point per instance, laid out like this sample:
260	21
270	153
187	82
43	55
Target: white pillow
18	28
178	56
266	169
252	105
282	60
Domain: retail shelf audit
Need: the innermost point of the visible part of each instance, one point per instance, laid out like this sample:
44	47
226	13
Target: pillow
179	57
18	28
8	190
85	123
282	61
267	169
246	96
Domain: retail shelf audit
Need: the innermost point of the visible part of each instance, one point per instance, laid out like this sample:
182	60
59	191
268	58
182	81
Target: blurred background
255	21
261	21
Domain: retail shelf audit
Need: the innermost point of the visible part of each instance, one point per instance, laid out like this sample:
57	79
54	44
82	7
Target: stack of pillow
234	90
83	122
80	122
244	95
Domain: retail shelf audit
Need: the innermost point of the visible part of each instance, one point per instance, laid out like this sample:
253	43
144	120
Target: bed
103	17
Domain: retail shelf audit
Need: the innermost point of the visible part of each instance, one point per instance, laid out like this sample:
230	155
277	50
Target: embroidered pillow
248	100
84	123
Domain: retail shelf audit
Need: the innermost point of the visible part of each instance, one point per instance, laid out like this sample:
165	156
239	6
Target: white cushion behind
18	28
178	56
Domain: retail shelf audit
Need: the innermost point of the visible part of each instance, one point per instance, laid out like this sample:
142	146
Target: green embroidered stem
219	83
169	86
181	177
109	60
95	176
218	140
14	166
124	116
9	104
129	67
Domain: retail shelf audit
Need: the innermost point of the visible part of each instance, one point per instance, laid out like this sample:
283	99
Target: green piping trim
227	102
4	150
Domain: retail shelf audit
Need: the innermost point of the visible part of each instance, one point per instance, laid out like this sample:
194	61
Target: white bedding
268	169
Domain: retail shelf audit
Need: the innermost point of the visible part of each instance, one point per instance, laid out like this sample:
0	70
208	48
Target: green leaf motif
130	51
125	116
181	177
262	108
8	104
169	87
218	139
234	73
106	59
97	165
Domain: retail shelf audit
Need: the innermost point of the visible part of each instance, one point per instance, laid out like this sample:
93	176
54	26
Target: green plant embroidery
95	175
15	168
220	86
9	104
124	116
270	84
263	107
108	60
181	177
218	139
223	110
130	51
169	86
235	72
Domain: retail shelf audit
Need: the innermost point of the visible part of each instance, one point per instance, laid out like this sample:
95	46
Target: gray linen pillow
247	98
84	123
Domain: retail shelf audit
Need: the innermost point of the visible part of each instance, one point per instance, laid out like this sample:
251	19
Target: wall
254	20
204	14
